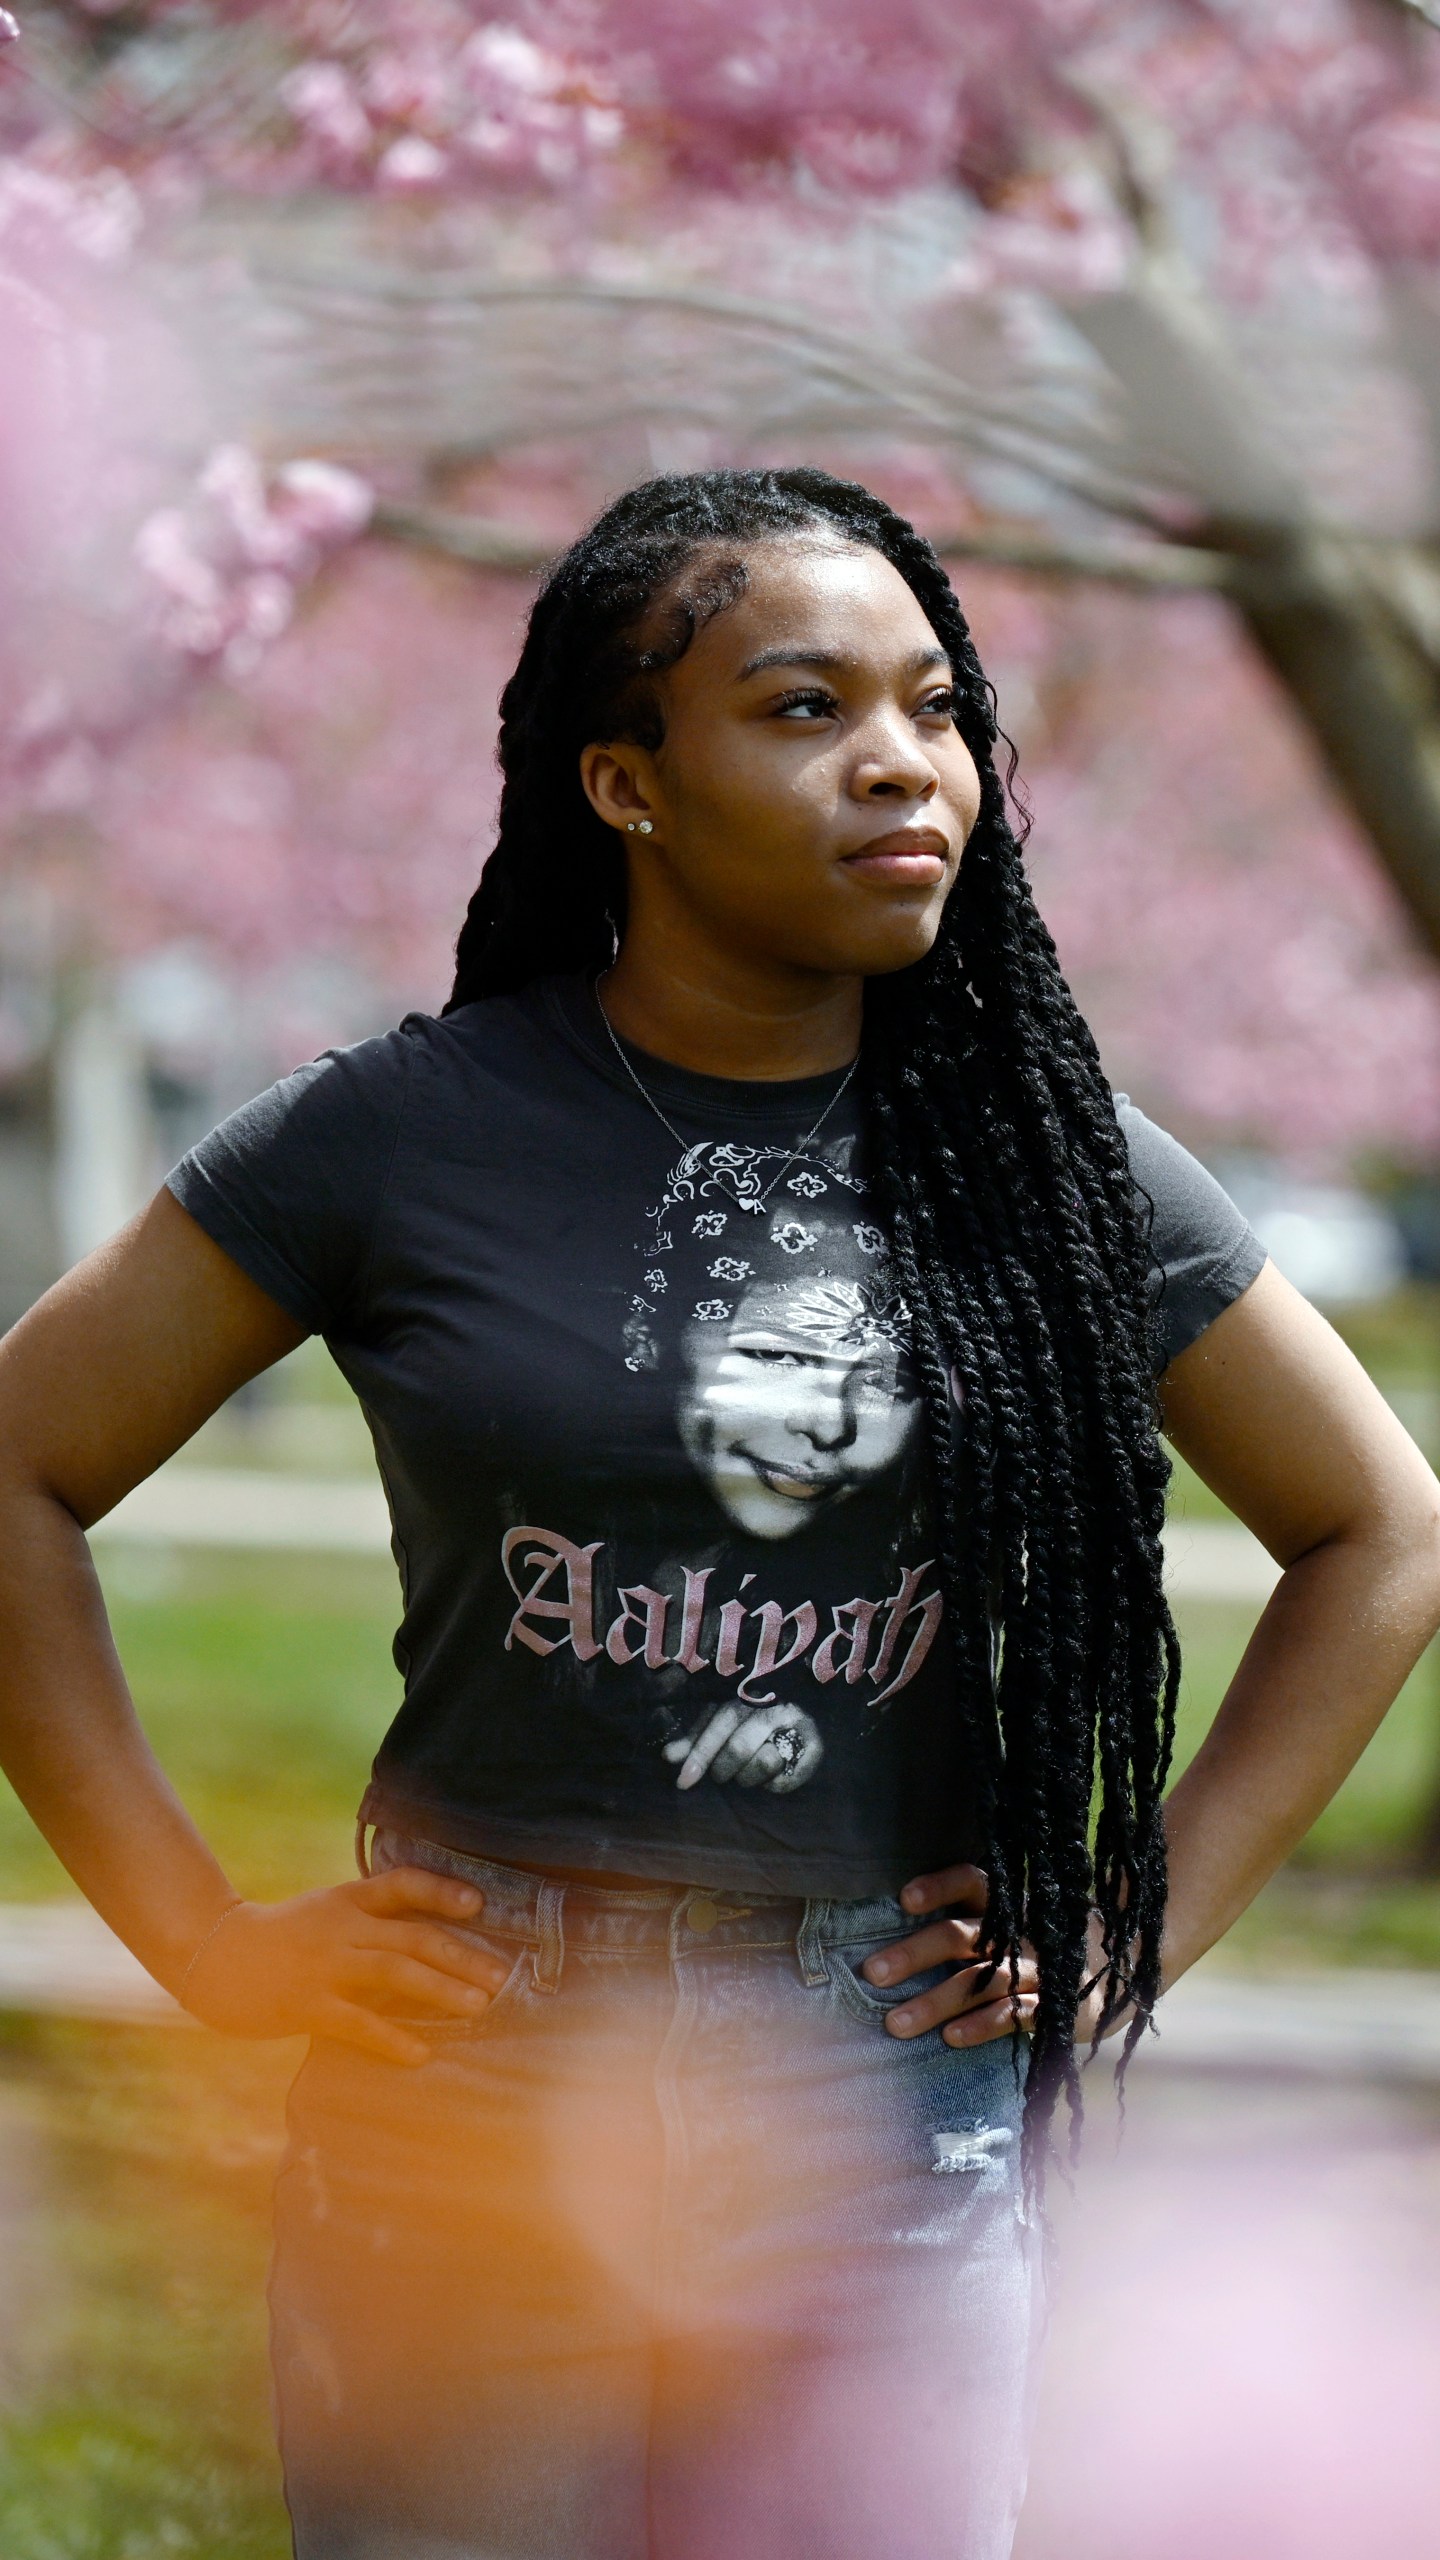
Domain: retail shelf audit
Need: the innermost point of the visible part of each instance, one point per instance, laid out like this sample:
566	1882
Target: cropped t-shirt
643	1406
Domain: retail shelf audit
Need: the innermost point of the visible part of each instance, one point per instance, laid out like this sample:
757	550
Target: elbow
1428	1550
1422	1555
1397	1534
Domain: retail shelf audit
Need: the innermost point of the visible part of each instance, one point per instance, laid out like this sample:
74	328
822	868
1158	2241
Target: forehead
817	596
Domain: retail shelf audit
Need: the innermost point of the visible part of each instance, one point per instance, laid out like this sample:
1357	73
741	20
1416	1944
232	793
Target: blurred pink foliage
274	771
1247	2313
1313	130
336	799
223	569
1244	964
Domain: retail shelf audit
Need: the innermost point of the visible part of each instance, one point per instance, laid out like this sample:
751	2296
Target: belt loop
362	1855
809	1952
550	1954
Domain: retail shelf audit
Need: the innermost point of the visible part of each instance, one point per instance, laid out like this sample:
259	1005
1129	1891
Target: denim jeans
675	2254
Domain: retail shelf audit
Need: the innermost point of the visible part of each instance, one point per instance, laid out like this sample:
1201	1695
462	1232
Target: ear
619	782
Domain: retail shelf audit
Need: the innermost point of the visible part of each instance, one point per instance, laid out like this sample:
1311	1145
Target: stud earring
639	826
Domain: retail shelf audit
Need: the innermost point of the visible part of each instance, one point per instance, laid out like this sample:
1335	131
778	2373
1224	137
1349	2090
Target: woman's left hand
974	2003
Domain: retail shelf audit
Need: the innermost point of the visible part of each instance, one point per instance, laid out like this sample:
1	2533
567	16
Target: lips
909	857
795	1484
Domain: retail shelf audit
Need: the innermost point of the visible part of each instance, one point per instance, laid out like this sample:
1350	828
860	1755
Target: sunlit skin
808	817
808	809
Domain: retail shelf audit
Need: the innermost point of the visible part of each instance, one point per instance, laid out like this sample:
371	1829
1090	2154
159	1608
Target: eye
940	704
808	701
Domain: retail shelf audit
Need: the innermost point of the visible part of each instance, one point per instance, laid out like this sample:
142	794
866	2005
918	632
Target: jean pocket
438	2026
874	2001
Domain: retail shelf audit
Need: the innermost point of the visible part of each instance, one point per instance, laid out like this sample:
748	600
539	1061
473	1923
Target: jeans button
703	1916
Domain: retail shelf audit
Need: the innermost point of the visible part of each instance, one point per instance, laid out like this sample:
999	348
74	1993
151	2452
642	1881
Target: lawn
143	2157
265	1683
136	2162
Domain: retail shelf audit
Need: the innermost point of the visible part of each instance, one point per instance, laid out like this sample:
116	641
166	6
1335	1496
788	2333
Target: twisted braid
1004	1180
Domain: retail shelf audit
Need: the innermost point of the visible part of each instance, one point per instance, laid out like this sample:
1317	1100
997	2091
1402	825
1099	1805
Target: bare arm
114	1370
1279	1418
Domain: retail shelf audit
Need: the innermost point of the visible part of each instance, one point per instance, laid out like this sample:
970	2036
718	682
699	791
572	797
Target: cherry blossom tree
1135	294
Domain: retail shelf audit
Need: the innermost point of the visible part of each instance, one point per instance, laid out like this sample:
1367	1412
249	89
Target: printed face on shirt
794	1396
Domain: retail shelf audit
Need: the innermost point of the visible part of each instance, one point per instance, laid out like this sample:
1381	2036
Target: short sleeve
290	1186
1204	1252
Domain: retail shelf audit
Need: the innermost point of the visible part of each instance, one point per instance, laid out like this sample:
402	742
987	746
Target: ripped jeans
674	2254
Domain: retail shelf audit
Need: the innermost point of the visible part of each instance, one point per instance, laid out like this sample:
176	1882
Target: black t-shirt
643	1405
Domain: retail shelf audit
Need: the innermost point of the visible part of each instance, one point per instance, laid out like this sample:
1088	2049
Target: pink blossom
321	97
411	162
224	567
321	503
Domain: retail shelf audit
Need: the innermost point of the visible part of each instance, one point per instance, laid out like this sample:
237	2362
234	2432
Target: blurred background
323	323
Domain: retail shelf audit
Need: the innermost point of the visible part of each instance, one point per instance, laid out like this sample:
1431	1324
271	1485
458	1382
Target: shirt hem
1218	1289
198	1195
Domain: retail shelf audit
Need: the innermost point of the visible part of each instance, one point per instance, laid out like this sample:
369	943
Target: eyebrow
834	661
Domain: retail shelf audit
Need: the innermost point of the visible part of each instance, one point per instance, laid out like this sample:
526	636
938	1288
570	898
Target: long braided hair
1003	1174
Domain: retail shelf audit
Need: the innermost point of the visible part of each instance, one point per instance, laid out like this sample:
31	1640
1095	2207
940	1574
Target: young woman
758	1298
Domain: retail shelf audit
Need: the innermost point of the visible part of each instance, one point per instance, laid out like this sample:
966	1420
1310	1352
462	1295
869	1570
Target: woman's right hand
352	1963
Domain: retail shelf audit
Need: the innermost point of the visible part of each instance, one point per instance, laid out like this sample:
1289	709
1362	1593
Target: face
791	1404
812	796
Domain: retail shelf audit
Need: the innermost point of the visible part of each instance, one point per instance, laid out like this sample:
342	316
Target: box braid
1004	1179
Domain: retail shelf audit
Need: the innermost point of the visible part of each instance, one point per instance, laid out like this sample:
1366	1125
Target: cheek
734	1389
884	1417
755	819
959	783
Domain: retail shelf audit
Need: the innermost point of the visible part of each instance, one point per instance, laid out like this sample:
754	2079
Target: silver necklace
647	1096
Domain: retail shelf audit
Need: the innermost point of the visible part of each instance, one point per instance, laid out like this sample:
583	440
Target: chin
889	944
890	963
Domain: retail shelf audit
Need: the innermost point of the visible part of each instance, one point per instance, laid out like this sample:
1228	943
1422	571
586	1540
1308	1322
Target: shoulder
368	1079
289	1184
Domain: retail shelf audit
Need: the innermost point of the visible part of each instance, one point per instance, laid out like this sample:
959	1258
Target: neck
734	1017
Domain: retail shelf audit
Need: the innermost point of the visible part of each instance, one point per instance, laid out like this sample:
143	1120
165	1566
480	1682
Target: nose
891	763
823	1416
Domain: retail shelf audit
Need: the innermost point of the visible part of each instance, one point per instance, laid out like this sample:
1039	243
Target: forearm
73	1749
1343	1628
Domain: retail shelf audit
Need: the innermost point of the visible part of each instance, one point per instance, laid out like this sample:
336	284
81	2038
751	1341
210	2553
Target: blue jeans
676	2254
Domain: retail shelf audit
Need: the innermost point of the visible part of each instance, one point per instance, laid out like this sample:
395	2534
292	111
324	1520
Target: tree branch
1152	567
483	543
898	386
479	541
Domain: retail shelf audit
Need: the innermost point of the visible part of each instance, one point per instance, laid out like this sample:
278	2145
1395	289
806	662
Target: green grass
138	2420
1347	1896
1370	1825
265	1684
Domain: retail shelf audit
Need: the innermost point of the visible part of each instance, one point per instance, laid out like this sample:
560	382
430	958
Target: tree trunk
1366	694
1368	697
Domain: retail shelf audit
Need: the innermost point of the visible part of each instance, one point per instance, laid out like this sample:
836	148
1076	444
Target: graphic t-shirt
643	1406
